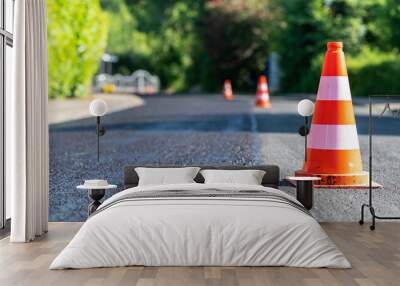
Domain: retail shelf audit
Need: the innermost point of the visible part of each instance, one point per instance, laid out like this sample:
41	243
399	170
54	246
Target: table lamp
98	108
305	108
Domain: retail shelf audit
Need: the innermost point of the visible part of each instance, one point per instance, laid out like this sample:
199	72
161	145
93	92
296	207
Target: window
6	44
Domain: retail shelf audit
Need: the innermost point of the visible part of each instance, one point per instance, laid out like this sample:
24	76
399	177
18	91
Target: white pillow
163	176
248	177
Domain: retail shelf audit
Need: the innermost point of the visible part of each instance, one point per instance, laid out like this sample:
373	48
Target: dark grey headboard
271	177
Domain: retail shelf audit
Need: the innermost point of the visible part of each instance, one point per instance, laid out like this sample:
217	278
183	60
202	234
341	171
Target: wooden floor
375	257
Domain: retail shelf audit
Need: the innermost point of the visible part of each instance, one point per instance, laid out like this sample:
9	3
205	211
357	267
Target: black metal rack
370	133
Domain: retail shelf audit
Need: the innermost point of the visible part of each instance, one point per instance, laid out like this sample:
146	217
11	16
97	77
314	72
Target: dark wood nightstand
304	190
96	194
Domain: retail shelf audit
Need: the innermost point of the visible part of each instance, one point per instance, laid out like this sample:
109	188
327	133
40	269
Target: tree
77	36
383	20
200	43
161	36
193	43
239	37
309	26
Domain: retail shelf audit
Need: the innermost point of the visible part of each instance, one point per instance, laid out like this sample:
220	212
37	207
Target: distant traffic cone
149	89
333	151
262	95
228	93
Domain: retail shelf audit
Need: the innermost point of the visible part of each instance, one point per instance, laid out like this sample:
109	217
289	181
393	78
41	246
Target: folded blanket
205	193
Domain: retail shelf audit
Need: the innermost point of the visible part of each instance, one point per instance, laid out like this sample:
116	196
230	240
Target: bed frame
270	179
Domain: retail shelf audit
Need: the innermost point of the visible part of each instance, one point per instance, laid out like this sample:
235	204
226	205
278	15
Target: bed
197	224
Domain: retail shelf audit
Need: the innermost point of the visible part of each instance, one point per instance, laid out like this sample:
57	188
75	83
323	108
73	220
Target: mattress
201	225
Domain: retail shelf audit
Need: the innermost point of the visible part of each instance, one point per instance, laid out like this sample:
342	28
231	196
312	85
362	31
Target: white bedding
200	231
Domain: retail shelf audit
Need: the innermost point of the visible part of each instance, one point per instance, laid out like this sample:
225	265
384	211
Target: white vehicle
141	82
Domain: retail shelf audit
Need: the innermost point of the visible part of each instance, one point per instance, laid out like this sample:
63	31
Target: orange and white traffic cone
228	93
333	151
262	95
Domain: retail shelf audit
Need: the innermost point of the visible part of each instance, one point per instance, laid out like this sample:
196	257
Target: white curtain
27	124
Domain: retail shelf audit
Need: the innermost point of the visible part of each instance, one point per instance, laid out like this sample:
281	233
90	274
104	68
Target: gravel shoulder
62	110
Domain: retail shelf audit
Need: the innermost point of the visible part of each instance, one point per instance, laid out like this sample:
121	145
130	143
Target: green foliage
372	72
384	23
197	44
163	37
239	38
77	35
193	43
309	25
368	29
393	17
179	43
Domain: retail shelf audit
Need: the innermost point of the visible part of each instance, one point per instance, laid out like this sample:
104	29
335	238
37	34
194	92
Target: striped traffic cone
333	151
262	95
228	93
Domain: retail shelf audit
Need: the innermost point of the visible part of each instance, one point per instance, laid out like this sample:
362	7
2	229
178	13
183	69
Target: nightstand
96	194
304	189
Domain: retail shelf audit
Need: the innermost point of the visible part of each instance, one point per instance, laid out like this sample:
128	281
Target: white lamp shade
305	107
98	107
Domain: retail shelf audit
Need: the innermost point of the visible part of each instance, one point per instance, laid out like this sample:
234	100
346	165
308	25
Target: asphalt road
205	129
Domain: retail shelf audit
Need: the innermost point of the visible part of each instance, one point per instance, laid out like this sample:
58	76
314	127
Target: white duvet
200	231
